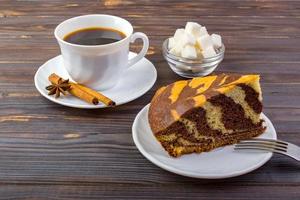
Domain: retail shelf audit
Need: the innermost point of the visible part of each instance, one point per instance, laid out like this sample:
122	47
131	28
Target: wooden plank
121	191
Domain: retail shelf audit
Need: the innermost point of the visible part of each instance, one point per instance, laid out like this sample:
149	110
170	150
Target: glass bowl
190	68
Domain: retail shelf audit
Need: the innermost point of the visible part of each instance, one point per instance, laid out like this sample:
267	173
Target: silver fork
276	146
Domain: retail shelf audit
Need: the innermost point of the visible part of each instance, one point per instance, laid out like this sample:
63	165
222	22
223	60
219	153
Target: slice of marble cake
204	113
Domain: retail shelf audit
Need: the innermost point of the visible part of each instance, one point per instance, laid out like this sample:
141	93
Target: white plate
222	162
135	82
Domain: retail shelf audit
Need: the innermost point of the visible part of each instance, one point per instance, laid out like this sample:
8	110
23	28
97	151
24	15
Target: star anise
61	87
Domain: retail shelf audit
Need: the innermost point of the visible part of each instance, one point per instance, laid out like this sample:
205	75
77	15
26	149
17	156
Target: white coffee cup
98	66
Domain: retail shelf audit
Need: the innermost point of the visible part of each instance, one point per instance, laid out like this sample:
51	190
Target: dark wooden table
48	151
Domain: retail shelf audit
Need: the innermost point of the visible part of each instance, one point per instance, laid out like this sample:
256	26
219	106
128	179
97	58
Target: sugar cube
176	50
188	39
217	40
199	53
203	31
209	52
204	42
171	43
189	51
193	28
179	34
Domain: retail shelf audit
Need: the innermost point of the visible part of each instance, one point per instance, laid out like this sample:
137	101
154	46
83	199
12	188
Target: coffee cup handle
144	50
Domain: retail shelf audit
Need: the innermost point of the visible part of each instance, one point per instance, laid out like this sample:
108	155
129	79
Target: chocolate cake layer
233	116
198	116
252	98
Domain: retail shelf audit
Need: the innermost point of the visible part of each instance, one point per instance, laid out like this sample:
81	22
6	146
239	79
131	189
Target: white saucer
135	82
222	162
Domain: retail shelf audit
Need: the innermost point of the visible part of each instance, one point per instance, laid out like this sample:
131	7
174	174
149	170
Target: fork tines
276	146
262	144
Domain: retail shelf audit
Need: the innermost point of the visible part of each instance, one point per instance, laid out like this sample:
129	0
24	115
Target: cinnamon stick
107	101
83	92
75	90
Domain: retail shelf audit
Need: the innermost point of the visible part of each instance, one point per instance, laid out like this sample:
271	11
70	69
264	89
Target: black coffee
94	36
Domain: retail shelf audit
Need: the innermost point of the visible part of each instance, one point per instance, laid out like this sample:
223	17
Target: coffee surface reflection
94	36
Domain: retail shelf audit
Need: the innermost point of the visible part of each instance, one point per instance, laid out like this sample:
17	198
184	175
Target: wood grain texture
52	152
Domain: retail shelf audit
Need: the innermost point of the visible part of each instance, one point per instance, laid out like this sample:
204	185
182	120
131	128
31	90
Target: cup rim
91	46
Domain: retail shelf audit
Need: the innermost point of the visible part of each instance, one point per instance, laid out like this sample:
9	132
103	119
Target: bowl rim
167	53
